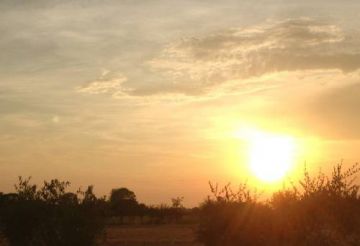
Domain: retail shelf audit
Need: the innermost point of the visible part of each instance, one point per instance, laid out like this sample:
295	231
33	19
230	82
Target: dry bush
50	215
320	210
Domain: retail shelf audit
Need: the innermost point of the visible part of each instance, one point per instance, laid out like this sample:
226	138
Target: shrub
51	216
321	210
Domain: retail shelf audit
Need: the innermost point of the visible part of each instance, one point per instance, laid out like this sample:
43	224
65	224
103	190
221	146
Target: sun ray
270	156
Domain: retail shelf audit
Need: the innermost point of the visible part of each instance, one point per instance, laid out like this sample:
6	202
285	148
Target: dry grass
154	235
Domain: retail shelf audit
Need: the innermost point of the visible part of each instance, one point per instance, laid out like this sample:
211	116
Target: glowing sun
270	156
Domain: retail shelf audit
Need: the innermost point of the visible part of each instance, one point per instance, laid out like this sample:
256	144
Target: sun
270	156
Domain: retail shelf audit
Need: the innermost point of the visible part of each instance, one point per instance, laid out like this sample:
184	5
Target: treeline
318	211
51	215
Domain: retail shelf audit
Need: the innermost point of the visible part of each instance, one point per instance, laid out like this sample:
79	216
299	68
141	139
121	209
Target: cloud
238	60
200	65
106	84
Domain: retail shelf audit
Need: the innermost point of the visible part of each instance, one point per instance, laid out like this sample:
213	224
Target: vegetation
320	210
52	216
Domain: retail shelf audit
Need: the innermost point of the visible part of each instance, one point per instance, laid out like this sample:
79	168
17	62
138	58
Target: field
154	235
151	235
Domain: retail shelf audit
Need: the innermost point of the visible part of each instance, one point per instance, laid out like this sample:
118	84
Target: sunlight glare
270	156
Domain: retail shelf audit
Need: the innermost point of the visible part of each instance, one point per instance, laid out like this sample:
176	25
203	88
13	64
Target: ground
159	235
147	235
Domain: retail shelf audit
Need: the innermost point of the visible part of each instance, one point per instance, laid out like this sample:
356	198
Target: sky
151	94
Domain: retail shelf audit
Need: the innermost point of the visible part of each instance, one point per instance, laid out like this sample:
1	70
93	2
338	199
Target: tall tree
123	202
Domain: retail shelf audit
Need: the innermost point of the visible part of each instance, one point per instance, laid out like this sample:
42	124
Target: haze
151	94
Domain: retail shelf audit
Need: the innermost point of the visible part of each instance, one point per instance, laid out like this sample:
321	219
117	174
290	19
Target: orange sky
151	95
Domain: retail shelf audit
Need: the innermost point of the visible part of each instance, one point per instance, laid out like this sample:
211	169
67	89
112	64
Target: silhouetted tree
51	216
177	209
123	202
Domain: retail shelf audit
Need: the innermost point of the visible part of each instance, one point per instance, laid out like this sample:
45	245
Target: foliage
50	215
320	210
123	202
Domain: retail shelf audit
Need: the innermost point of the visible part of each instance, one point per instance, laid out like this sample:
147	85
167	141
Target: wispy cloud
238	60
201	64
107	83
